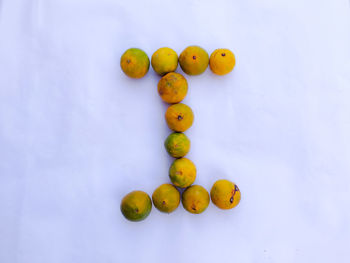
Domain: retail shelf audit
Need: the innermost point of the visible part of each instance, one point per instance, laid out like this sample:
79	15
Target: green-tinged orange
172	88
222	61
194	60
179	117
225	194
166	198
195	199
177	144
134	63
164	60
136	206
182	172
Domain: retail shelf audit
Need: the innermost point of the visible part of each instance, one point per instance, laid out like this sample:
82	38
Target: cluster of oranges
172	88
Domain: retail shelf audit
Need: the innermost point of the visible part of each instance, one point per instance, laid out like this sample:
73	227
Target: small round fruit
182	172
177	144
179	117
172	88
134	63
164	60
166	198
194	60
222	61
136	206
225	194
195	199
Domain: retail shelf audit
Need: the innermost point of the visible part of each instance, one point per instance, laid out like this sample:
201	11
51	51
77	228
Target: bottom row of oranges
137	205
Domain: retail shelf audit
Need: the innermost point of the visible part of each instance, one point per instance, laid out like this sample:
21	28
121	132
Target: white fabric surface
76	134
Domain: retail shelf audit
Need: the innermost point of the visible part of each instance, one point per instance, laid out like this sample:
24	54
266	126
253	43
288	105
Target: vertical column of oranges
179	117
172	88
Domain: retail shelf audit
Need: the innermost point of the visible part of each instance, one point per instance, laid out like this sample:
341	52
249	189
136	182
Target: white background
76	134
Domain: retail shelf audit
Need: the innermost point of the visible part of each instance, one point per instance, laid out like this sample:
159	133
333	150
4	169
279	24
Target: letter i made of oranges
172	89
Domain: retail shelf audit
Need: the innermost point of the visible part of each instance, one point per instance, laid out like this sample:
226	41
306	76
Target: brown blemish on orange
172	87
233	193
231	199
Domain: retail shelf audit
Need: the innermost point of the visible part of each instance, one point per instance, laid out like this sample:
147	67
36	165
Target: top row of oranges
194	60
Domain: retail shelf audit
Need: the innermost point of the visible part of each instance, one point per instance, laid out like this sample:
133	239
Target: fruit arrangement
172	89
